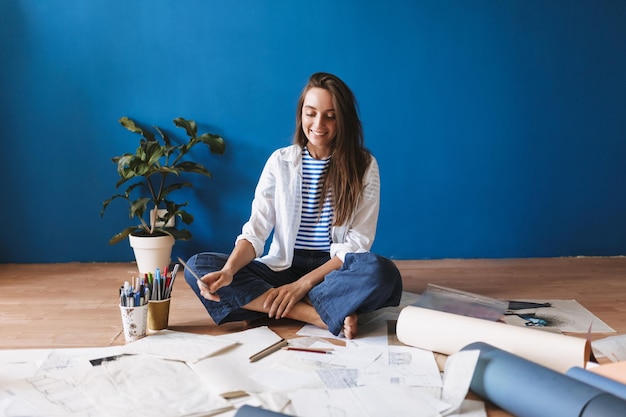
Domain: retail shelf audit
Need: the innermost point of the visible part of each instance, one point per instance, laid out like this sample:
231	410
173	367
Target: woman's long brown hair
349	157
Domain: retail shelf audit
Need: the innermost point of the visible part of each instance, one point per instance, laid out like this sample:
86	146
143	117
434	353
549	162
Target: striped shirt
315	226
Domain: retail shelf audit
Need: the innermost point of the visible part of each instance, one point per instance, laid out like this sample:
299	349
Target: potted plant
152	174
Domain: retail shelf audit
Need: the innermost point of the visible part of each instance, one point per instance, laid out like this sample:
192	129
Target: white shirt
277	206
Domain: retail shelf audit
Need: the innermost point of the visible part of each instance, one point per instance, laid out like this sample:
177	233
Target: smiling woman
320	198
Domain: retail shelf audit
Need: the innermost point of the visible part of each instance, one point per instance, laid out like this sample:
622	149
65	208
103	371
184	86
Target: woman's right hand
242	255
213	281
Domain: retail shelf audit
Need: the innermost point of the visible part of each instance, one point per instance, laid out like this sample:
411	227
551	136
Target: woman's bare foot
350	326
304	311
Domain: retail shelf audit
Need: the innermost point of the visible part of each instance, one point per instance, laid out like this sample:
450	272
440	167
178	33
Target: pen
326	351
269	350
192	272
169	282
172	278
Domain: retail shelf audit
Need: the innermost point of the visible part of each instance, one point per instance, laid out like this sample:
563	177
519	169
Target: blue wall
499	126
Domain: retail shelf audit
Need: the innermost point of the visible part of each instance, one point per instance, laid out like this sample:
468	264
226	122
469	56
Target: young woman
320	198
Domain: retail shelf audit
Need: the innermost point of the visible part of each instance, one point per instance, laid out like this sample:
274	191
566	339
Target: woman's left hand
281	300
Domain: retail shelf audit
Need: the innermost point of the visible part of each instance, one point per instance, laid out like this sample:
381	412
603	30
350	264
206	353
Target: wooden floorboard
76	304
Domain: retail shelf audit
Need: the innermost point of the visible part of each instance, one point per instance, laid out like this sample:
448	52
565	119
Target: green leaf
216	143
189	125
187	218
164	136
153	151
173	187
122	235
139	207
130	125
108	201
165	170
188	166
178	234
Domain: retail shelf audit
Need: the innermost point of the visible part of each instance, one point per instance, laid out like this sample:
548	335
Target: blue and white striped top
314	231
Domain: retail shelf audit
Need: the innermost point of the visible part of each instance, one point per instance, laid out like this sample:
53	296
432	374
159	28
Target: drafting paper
56	395
67	385
375	393
457	377
526	389
369	401
567	316
471	408
460	302
231	369
612	347
141	385
13	406
403	365
43	380
167	345
448	333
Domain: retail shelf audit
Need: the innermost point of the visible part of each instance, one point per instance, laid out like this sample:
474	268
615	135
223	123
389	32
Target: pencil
310	350
269	350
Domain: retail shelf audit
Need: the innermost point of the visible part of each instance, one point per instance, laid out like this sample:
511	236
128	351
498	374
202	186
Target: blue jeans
364	283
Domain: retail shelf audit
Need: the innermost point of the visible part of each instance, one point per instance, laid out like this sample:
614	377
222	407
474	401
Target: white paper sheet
144	386
66	384
403	365
41	381
457	377
368	401
181	346
612	347
231	370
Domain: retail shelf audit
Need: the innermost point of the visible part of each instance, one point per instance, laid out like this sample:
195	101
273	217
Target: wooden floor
75	304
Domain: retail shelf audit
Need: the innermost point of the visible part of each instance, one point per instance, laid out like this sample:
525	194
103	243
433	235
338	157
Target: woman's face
319	122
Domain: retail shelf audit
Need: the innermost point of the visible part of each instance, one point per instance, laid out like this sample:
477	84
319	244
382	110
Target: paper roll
250	411
448	333
526	389
605	384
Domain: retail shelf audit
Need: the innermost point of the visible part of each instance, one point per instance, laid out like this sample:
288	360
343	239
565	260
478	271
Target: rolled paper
448	333
605	384
250	411
526	389
604	405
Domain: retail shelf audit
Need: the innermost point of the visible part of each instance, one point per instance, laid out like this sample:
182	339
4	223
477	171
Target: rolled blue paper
604	405
605	384
249	411
526	389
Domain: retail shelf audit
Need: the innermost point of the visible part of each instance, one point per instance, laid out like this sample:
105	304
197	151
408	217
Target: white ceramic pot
152	252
